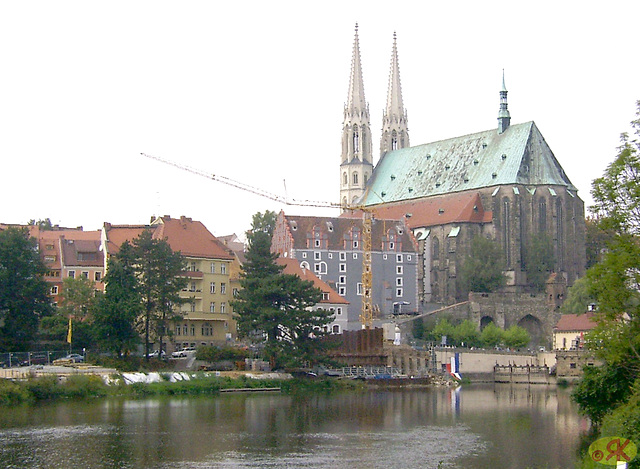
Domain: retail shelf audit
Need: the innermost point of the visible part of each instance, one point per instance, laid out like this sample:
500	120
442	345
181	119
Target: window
342	291
355	245
98	276
399	282
320	268
223	268
398	257
178	330
345	180
342	279
192	287
72	274
49	247
223	308
223	288
192	267
399	292
213	267
330	255
212	307
384	257
399	269
304	265
304	255
212	287
335	329
54	290
184	330
343	267
193	330
343	256
325	296
359	289
193	307
316	256
49	258
392	246
408	257
572	366
235	292
355	178
316	243
85	274
339	310
355	255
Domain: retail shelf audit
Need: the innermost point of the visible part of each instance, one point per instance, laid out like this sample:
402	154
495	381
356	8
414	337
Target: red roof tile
575	322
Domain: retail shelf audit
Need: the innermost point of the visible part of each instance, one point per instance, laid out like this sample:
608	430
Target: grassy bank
87	387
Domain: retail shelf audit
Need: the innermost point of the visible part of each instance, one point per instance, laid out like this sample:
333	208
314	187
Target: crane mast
366	316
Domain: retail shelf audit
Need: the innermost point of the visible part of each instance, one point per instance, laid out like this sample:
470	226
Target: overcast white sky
254	91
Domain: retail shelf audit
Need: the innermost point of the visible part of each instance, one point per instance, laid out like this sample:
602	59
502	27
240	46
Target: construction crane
366	315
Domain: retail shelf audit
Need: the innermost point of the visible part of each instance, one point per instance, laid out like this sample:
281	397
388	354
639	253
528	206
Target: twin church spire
356	162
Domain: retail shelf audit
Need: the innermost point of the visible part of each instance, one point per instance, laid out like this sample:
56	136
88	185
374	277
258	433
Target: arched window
355	178
542	215
560	234
394	140
356	139
506	231
436	249
345	179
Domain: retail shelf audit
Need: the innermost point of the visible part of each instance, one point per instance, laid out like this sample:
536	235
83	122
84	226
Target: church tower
504	118
395	133
356	164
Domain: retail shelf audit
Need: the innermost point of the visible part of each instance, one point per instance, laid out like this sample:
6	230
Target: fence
16	359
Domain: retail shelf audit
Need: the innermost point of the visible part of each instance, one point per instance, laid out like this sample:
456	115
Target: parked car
74	357
184	353
156	354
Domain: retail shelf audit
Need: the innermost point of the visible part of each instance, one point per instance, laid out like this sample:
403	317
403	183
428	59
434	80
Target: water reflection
476	427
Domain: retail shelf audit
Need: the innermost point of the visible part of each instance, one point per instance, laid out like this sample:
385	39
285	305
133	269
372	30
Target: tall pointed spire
395	134
356	165
355	99
504	118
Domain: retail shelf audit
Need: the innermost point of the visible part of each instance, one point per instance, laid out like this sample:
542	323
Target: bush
215	354
84	386
12	393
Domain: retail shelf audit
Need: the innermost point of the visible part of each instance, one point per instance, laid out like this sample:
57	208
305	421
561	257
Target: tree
158	271
44	225
78	298
614	281
114	319
276	306
597	240
24	295
491	335
482	270
516	337
539	261
579	297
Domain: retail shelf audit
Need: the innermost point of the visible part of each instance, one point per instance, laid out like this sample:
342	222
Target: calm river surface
479	426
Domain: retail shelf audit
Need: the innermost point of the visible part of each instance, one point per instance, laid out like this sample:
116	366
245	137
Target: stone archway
485	321
533	326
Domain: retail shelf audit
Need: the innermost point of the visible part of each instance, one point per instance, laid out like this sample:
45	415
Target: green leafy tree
491	335
597	240
482	270
466	333
114	318
615	283
78	298
278	306
579	297
24	295
158	271
539	260
516	337
44	225
442	328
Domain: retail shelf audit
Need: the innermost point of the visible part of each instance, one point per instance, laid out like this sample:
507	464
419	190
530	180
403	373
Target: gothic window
506	231
345	179
366	177
560	234
355	178
356	139
542	215
394	140
436	249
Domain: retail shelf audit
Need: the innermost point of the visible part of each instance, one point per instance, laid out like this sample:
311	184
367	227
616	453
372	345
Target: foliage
12	393
24	295
600	390
491	335
482	270
158	271
597	241
516	337
579	297
78	298
418	329
54	329
539	260
115	316
265	222
214	354
277	307
44	225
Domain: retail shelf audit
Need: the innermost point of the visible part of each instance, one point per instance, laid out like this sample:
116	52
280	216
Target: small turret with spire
356	164
504	118
395	133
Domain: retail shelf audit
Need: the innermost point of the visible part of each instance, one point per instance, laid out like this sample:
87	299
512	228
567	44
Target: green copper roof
519	155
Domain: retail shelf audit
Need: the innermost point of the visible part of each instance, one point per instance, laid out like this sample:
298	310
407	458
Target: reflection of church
504	183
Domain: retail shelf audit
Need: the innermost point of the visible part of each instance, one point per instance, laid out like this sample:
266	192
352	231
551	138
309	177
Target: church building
503	183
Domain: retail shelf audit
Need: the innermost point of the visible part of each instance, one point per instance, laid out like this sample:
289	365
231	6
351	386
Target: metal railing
17	359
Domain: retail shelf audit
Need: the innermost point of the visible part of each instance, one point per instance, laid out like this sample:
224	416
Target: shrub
12	393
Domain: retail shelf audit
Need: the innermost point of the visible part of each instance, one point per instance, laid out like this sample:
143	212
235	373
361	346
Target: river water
478	426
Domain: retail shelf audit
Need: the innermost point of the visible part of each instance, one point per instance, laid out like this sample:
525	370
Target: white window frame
343	256
317	256
398	257
399	282
342	291
223	268
359	289
342	279
399	269
355	255
343	267
399	292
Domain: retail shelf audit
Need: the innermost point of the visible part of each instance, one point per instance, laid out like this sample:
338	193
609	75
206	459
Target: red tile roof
292	267
463	207
575	322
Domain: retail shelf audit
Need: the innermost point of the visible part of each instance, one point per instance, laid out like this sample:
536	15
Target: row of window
317	255
192	266
342	290
97	276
